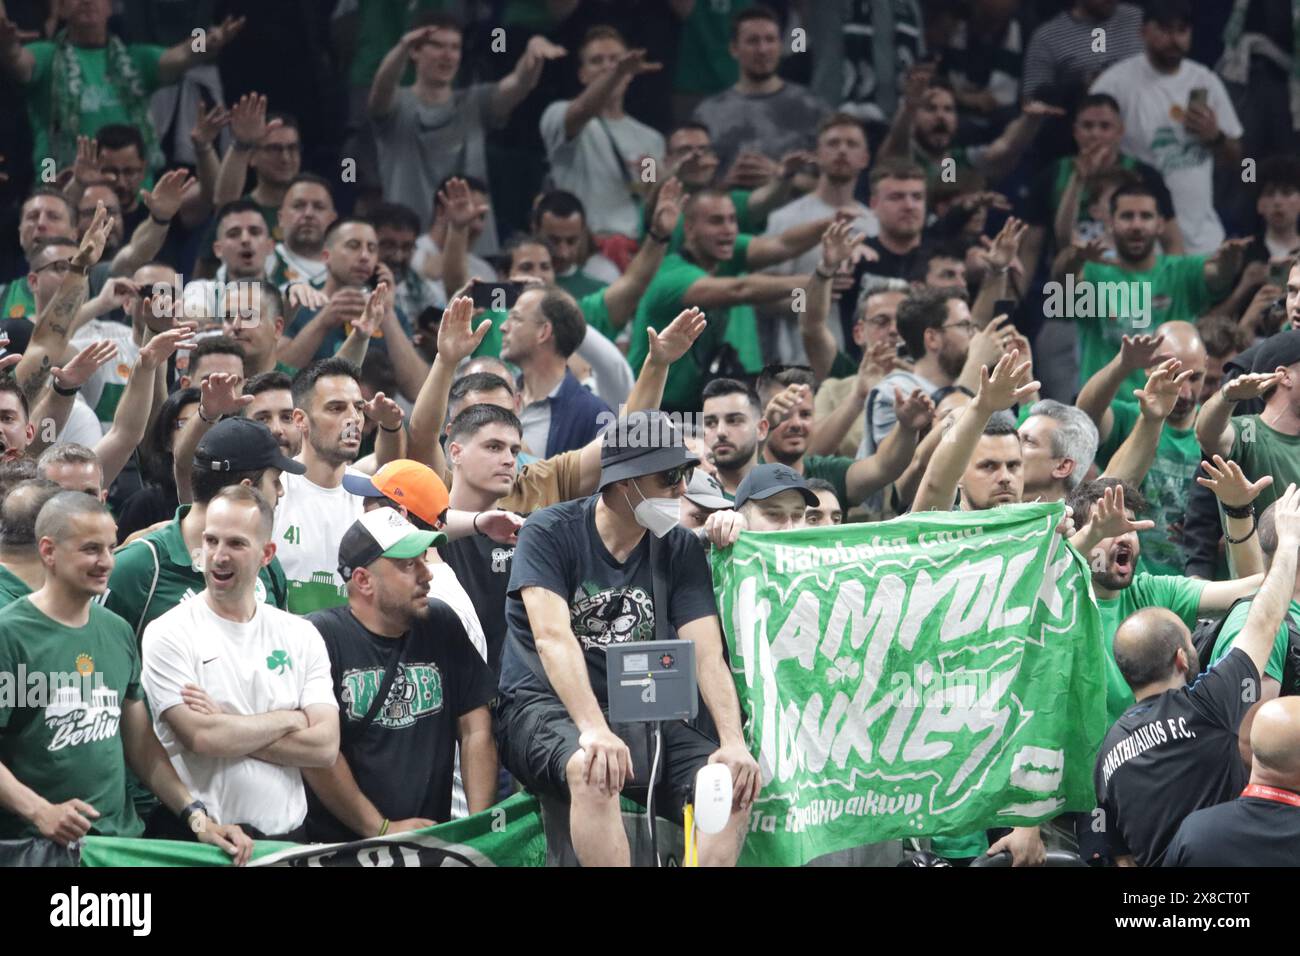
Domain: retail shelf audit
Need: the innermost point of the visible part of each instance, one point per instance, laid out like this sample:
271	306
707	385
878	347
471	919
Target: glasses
966	326
60	266
879	322
671	477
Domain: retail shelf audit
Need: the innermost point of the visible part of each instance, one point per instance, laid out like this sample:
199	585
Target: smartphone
497	296
1200	96
1004	307
1278	273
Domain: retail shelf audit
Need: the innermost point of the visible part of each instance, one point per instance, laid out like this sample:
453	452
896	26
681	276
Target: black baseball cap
1282	349
642	443
241	444
764	481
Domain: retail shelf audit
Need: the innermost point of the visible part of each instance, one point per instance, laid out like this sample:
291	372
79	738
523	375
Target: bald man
1169	462
1175	750
1262	826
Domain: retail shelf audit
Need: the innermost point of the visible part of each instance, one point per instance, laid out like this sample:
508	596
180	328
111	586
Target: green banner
935	674
508	834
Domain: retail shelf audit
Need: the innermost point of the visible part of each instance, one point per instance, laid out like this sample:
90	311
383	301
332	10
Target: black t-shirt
609	603
890	266
483	568
403	762
1248	831
1173	754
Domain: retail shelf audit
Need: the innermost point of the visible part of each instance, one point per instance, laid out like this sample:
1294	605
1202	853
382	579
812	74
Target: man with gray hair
21	571
73	467
1057	445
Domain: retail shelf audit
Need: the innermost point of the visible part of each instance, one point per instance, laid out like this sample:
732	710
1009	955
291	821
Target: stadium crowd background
391	266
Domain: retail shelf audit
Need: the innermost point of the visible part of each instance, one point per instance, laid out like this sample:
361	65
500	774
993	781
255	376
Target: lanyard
1272	793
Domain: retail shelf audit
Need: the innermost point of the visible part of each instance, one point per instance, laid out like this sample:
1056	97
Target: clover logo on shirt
278	661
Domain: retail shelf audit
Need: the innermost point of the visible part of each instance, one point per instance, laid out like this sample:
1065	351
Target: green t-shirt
664	298
594	311
1177	292
100	103
704	65
579	284
71	746
129	583
12	587
1262	450
843	366
18	302
1179	594
1232	626
1165	487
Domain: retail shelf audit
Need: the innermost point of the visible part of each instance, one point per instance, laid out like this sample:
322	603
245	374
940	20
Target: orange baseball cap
413	485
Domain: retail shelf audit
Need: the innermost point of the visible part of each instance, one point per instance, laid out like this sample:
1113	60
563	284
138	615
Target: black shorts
536	738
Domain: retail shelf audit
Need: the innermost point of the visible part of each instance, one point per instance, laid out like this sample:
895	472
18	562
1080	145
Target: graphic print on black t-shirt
416	693
612	616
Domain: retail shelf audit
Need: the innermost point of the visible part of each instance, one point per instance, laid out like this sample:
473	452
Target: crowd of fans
318	317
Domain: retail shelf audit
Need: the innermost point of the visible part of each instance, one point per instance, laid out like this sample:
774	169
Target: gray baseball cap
705	490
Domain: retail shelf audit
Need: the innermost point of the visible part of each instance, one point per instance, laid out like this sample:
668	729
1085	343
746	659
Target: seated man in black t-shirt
1262	826
582	579
1176	750
410	685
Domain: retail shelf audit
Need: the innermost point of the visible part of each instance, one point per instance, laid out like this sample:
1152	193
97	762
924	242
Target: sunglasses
670	478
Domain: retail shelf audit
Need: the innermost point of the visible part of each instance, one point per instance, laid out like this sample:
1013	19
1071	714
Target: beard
1125	249
334	454
735	458
952	362
1111	581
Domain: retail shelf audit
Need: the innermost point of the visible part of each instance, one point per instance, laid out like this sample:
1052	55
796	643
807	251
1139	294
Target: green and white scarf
67	85
1239	46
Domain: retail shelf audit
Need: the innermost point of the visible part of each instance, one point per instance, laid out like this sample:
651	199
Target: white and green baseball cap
383	533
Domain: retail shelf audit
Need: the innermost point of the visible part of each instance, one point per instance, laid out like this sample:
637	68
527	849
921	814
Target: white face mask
656	515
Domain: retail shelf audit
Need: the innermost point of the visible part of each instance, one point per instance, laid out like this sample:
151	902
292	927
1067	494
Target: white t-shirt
589	165
276	661
426	248
82	426
107	382
296	268
310	521
1152	105
789	344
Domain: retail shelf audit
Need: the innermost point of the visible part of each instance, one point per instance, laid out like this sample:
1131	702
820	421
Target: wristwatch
190	812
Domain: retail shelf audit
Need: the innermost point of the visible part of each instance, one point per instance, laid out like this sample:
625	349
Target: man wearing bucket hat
409	686
584	578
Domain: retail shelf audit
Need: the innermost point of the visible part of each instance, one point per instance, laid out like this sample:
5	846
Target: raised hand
791	163
501	526
1158	398
915	412
96	238
209	124
165	199
668	206
1093	160
1252	384
676	338
84	364
1094	250
116	294
1230	484
1037	109
837	244
304	295
367	324
1139	351
457	202
11	36
632	63
916	83
541	49
1006	244
991	342
248	119
415	37
1286	516
1109	518
383	410
456	338
877	362
220	395
344	306
784	402
159	348
220	35
1006	385
85	168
